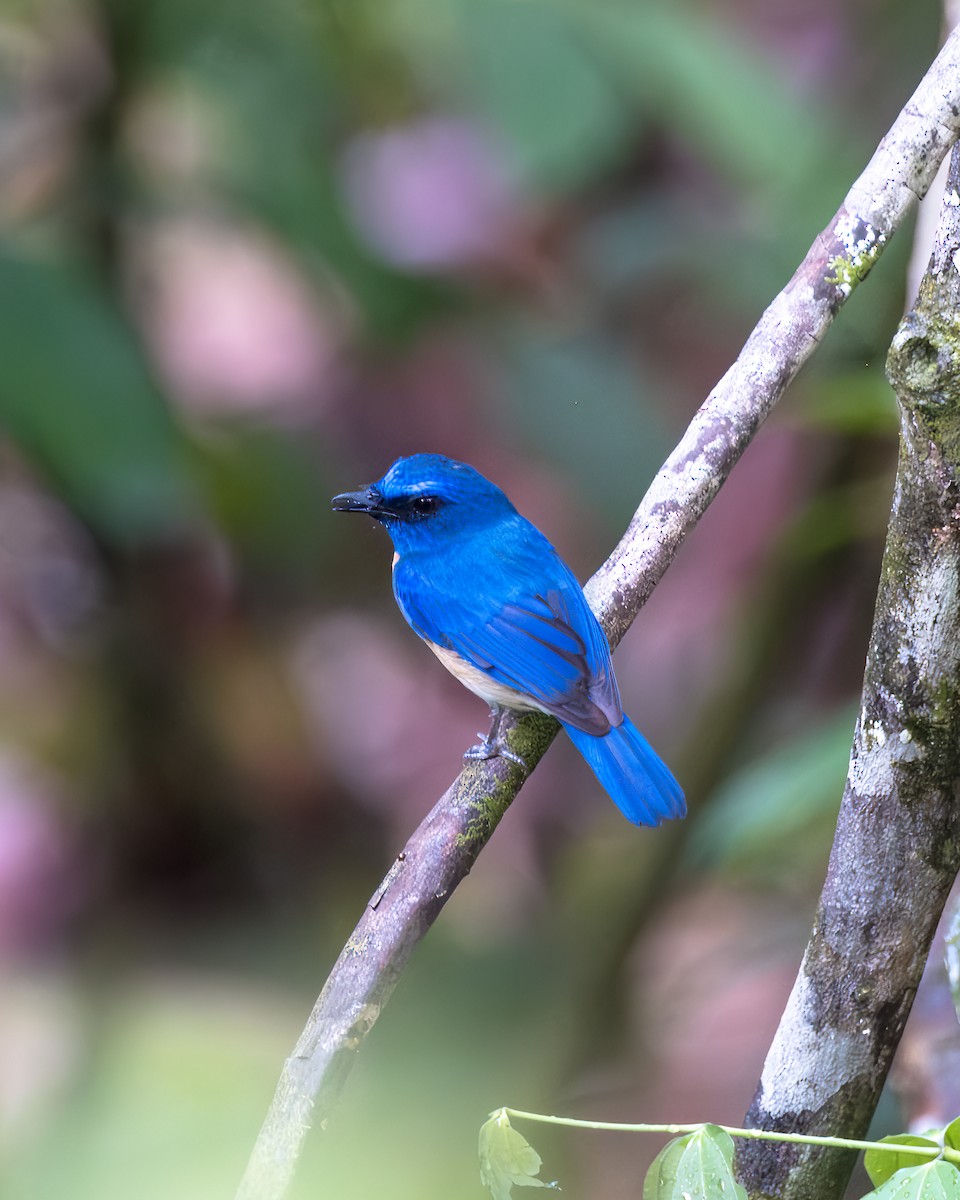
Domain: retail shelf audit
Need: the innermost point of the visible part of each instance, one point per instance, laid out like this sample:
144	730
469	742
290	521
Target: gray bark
896	851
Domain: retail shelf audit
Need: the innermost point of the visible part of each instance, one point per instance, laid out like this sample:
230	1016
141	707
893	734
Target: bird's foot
492	749
492	745
482	751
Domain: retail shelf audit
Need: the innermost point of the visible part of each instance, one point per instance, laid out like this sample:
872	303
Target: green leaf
698	1166
937	1180
662	1176
528	70
733	106
951	1135
882	1164
264	490
78	398
507	1159
765	815
705	1169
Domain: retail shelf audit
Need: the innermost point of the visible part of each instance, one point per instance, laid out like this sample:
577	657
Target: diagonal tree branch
443	849
896	851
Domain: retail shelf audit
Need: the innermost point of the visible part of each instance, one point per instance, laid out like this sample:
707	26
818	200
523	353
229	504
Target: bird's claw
493	749
482	751
512	756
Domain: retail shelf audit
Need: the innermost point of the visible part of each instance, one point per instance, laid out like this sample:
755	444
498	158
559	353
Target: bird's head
428	498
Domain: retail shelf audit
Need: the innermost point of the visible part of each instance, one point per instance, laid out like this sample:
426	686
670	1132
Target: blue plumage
502	611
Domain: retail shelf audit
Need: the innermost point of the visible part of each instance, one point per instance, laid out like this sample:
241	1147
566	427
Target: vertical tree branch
897	845
442	850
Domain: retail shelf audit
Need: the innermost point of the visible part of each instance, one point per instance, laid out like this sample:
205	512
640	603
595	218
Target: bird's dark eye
424	506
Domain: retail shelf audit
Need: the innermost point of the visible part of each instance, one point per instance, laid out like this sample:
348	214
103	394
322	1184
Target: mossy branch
443	849
897	847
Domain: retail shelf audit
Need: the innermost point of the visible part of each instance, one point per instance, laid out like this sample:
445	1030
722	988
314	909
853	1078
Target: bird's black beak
367	500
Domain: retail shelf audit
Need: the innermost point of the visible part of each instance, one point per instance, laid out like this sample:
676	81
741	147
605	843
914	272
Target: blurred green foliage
77	397
251	252
772	818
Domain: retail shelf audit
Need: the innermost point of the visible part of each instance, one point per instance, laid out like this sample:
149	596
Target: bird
501	610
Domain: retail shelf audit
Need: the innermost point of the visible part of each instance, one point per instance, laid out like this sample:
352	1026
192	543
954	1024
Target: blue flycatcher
501	610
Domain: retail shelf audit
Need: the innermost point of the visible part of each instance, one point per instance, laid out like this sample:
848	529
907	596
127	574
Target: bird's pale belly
480	683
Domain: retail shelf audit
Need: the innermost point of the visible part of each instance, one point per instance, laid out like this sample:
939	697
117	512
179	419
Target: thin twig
747	1135
443	849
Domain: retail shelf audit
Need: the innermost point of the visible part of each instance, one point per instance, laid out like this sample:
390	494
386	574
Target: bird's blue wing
513	610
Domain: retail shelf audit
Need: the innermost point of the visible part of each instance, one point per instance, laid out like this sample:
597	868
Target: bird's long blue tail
637	781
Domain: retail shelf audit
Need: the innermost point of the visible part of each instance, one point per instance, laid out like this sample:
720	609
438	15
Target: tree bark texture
441	852
896	851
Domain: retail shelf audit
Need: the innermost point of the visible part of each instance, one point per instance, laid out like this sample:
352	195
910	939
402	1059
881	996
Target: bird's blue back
480	580
485	587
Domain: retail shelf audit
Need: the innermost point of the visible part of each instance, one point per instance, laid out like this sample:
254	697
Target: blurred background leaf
76	394
773	818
